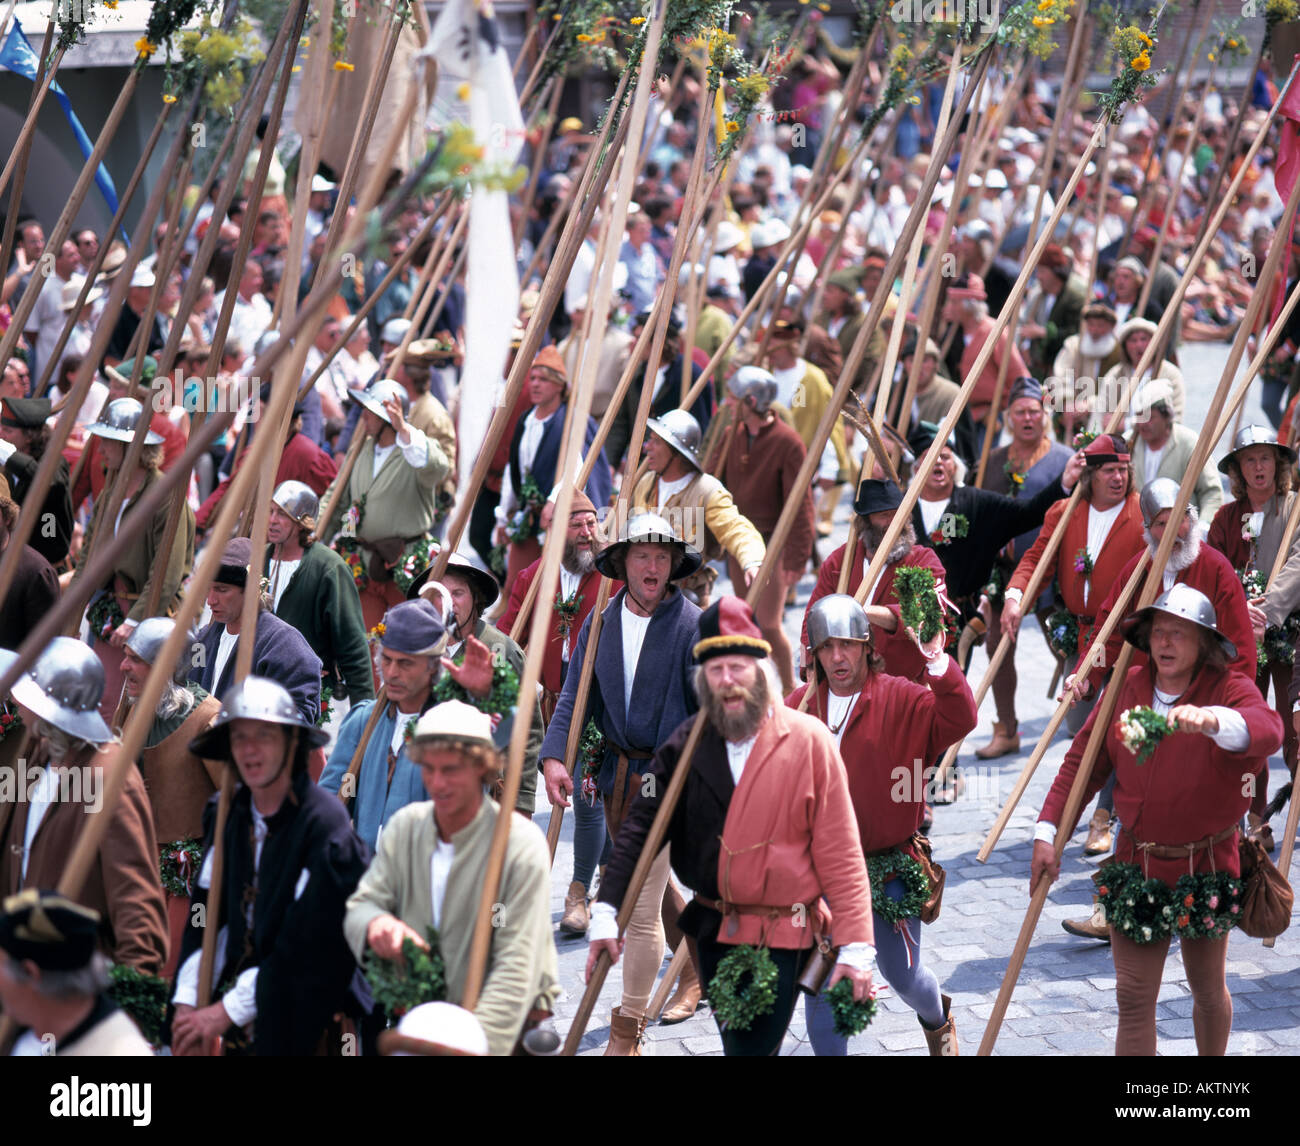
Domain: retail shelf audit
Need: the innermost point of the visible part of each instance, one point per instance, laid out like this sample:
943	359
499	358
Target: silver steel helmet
253	698
65	686
1249	436
1181	601
394	330
119	423
374	396
147	639
837	617
299	501
753	382
1157	496
681	431
647	528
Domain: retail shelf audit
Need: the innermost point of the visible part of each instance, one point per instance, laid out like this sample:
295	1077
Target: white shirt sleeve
415	449
938	666
1233	735
7	450
241	1000
1045	831
604	922
859	956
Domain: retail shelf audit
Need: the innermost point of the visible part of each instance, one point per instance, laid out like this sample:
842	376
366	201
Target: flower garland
1132	48
1083	561
1083	439
1028	25
104	615
1063	632
9	722
1015	477
1206	905
566	612
744	987
850	1018
918	603
408	733
527	520
178	866
950	525
503	698
1141	729
415	559
496	562
419	977
916	885
996	589
143	997
591	755
326	709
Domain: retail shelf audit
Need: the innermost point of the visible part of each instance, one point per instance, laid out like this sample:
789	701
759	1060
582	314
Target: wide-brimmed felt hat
461	566
876	496
650	529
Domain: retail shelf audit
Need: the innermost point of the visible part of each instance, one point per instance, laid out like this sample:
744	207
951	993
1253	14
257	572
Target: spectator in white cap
128	321
429	872
1164	448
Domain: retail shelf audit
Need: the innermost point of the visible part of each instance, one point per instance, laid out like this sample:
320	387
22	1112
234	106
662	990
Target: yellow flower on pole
583	38
110	4
1142	62
636	20
462	93
732	127
344	66
168	98
144	47
1043	21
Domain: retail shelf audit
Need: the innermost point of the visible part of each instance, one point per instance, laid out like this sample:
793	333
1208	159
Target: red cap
1106	448
727	628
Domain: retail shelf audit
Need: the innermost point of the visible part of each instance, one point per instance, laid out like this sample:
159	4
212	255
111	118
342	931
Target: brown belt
770	912
619	796
1181	851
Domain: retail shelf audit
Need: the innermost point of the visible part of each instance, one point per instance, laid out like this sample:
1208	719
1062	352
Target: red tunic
1190	788
588	589
303	460
1122	542
893	732
1212	574
902	657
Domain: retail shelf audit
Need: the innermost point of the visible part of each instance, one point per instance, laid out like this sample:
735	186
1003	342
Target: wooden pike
1116	420
1107	703
476	971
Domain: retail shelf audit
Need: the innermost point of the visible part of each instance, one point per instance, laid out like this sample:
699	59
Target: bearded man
1084	359
875	505
764	828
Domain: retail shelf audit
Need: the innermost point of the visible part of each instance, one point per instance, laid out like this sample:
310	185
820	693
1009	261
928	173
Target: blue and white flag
18	56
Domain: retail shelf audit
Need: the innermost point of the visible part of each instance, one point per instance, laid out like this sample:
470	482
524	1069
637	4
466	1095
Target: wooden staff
1107	704
549	571
1116	421
545	130
655	838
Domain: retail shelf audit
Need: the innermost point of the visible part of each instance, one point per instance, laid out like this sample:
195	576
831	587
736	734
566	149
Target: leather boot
1092	928
577	917
1005	742
1100	837
942	1042
686	999
1259	829
624	1034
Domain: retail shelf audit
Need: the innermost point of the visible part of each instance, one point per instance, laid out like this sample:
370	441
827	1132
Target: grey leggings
591	842
909	979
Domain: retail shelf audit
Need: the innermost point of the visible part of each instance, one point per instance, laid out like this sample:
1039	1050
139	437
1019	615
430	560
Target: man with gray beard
1081	363
178	782
1191	562
874	505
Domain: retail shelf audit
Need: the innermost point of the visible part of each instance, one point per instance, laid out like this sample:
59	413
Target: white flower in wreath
350	521
1251	526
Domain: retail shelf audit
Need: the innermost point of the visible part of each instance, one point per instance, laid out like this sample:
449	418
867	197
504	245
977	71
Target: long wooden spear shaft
602	158
1107	704
549	572
655	838
1096	648
1116	420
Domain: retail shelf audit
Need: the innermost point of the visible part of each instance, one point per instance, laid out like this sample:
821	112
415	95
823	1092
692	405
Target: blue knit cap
414	627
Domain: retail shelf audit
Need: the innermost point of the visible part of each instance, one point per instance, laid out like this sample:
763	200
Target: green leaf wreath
526	523
1063	632
591	755
104	615
178	866
916	885
996	588
851	1018
1206	905
743	988
1141	729
918	604
143	997
418	978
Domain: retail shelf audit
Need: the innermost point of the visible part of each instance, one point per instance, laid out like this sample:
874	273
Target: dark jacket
322	603
304	965
279	652
668	398
992	521
663	691
599	485
33	593
52	535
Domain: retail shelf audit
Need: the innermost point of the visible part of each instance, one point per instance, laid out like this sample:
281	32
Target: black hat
49	929
25	413
676	319
235	559
461	567
876	496
923	434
